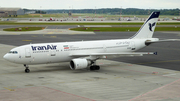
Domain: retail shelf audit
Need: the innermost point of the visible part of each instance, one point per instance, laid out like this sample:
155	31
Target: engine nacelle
79	64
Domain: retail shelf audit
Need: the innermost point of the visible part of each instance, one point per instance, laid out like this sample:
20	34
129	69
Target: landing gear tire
94	67
27	70
97	67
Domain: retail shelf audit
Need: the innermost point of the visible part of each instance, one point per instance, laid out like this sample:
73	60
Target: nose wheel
27	68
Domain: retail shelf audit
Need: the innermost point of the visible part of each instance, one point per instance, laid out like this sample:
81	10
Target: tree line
113	11
127	11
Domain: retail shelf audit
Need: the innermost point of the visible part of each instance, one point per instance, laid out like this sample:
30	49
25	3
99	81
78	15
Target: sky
91	4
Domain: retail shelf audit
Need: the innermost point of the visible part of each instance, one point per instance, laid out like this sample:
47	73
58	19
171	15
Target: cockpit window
13	52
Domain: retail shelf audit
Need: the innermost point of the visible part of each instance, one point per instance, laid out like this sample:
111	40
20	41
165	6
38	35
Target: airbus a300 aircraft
83	54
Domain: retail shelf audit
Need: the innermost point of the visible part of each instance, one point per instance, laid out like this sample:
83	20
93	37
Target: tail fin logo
151	25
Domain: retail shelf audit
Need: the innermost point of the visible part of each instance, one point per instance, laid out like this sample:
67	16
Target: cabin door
104	48
133	45
27	53
53	52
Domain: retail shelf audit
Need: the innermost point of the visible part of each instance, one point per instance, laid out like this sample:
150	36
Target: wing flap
123	54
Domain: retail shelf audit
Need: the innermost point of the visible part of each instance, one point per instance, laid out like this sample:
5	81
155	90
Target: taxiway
134	79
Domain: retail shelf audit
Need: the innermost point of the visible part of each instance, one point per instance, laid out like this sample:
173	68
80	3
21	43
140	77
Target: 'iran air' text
51	47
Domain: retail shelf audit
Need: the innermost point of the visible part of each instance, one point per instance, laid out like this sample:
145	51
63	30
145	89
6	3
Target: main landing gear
27	68
94	67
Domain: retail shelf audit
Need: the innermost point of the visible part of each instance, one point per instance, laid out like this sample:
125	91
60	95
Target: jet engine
79	63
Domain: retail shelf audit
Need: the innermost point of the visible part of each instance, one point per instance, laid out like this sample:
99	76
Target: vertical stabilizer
147	29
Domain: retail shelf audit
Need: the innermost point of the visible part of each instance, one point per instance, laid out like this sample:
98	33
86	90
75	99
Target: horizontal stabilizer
155	53
148	42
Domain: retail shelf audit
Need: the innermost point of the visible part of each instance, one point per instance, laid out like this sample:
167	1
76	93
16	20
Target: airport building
12	11
3	14
30	12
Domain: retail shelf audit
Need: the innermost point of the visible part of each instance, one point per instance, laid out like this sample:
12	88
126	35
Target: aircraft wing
105	55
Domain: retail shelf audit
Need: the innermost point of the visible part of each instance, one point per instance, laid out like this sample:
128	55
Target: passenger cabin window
13	52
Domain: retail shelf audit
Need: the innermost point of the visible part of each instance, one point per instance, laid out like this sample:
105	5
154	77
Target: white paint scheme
85	53
27	56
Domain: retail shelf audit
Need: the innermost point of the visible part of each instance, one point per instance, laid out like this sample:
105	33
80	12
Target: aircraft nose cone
5	57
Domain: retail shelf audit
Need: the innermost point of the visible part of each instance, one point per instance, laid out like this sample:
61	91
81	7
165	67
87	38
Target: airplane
51	19
83	54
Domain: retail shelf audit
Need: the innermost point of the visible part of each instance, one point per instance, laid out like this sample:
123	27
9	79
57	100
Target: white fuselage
83	54
60	52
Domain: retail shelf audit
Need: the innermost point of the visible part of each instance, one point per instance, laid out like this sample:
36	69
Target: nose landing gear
27	68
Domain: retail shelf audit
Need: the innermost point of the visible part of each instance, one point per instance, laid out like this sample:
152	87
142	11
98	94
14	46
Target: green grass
24	29
116	29
169	23
104	29
167	29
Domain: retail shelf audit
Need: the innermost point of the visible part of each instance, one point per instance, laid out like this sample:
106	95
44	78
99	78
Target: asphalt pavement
151	77
168	52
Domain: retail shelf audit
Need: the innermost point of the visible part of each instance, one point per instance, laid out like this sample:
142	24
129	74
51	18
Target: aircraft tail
147	29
